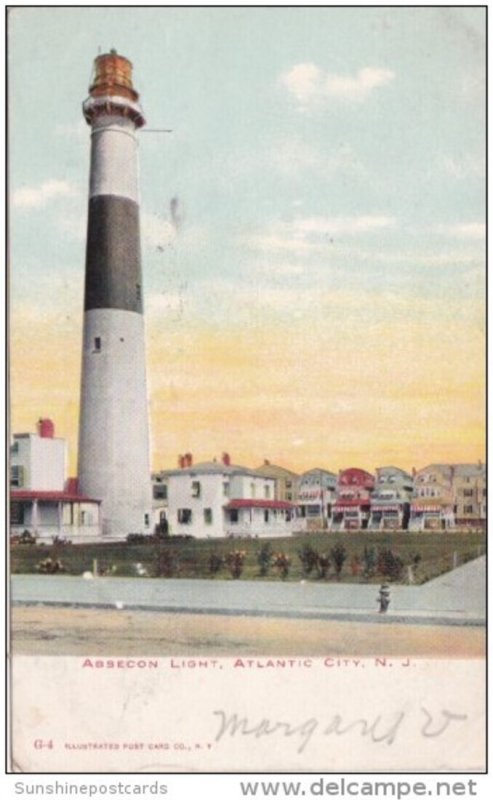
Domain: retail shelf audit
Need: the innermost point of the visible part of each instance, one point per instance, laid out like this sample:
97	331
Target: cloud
39	196
309	234
310	84
463	166
337	226
465	230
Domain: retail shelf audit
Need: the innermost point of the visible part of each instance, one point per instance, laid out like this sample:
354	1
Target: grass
184	558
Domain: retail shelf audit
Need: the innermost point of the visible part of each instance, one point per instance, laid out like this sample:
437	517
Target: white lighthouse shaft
114	464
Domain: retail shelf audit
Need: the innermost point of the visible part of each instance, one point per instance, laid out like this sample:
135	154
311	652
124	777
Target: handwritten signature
381	729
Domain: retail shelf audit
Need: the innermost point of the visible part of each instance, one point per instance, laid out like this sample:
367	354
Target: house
353	500
43	501
469	493
390	505
316	496
432	507
217	498
286	486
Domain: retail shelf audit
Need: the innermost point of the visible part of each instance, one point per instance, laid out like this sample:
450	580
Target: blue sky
329	171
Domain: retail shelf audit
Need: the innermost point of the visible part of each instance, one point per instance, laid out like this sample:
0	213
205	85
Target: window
138	291
147	520
267	492
233	515
289	484
468	492
289	496
16	475
208	516
468	509
184	516
226	489
97	344
160	491
195	488
14	448
266	515
16	513
252	489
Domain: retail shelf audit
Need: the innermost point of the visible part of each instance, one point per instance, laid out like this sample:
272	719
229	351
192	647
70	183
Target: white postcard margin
186	714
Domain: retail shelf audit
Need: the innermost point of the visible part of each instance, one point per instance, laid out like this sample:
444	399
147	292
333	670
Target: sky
313	232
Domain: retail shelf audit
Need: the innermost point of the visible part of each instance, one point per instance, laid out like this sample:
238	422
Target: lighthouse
113	454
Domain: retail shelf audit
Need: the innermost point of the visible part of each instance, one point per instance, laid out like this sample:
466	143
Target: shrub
166	565
370	561
264	559
50	566
355	566
27	537
339	555
323	565
216	563
309	558
235	561
390	564
282	563
136	538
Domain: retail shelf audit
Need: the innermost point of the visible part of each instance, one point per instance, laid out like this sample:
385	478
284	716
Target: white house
42	500
217	498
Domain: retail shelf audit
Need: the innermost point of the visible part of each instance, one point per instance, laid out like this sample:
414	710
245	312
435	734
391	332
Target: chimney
46	428
266	462
226	459
188	459
181	462
413	472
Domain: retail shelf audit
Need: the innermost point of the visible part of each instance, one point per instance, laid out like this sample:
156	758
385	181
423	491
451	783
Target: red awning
351	503
280	505
50	497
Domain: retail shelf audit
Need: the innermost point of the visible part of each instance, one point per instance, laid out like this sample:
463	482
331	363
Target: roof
50	496
318	470
209	468
276	471
280	505
457	470
392	470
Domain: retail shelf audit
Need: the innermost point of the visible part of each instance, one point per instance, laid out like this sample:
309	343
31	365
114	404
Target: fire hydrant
383	598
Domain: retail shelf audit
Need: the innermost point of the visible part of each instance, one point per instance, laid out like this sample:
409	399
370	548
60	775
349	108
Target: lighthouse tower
114	464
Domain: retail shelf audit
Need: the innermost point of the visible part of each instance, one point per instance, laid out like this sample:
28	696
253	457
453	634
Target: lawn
192	558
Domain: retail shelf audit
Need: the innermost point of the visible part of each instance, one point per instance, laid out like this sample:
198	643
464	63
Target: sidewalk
457	598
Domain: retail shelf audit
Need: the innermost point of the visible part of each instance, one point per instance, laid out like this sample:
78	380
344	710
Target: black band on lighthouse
113	269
